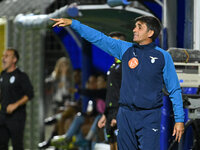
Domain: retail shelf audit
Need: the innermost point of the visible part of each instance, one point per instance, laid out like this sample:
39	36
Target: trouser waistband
133	107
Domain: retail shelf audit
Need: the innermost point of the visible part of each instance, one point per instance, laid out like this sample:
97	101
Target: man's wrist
179	120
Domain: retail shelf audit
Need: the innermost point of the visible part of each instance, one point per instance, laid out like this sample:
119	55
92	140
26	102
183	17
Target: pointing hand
61	22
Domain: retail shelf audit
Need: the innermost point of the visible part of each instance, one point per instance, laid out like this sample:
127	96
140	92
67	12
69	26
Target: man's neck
145	43
11	69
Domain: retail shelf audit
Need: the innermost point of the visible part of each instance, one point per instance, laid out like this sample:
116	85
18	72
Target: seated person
81	119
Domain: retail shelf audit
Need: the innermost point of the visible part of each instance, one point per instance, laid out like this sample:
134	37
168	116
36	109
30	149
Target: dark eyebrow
139	24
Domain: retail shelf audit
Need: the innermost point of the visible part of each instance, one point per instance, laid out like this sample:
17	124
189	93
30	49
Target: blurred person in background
58	84
90	84
114	76
63	117
84	125
72	107
15	91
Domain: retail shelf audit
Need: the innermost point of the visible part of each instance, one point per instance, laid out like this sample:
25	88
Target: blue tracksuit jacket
141	86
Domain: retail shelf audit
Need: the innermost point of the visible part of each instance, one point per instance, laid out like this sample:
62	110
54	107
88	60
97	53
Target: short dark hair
16	54
152	23
117	34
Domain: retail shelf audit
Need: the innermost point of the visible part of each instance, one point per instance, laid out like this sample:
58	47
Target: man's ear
15	60
150	33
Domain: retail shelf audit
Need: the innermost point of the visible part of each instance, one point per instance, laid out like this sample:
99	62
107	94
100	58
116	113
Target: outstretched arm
111	46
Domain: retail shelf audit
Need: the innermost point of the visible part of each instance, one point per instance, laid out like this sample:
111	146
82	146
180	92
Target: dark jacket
114	76
13	86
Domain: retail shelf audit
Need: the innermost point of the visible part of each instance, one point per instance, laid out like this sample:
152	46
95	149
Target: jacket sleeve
27	86
112	46
173	87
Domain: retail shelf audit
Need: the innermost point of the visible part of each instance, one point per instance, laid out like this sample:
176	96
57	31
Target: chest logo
153	59
133	62
1	79
12	79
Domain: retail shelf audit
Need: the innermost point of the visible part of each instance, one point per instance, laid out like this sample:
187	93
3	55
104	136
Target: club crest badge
133	62
12	79
153	59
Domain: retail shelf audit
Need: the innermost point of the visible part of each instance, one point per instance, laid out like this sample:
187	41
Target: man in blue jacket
145	70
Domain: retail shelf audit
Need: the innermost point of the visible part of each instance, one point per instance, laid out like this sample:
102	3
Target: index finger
54	19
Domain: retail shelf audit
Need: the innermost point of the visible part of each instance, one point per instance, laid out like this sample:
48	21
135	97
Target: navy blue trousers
138	129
